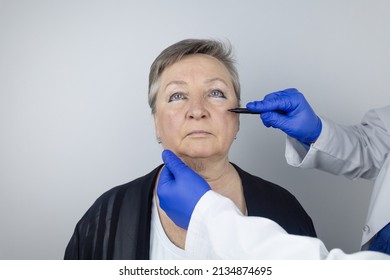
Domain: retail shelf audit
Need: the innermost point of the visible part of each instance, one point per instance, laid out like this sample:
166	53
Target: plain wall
75	122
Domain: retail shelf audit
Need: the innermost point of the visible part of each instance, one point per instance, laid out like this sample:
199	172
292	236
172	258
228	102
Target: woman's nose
197	109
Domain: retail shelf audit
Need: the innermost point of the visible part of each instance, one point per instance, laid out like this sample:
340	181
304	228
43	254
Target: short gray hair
175	52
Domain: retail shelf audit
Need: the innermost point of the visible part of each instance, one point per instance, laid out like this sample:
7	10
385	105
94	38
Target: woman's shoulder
139	185
266	199
133	191
120	207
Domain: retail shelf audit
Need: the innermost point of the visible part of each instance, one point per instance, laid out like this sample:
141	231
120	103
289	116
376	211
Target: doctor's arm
217	230
356	151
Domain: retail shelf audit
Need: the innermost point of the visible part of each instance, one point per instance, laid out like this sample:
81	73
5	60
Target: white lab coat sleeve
218	230
357	151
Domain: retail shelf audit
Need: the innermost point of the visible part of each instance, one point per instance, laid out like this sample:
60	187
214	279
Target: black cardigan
117	226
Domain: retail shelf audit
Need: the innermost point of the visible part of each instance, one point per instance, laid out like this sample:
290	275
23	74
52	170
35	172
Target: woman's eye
217	93
176	96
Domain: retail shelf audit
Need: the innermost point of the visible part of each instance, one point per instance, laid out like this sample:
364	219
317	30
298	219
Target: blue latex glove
289	111
179	189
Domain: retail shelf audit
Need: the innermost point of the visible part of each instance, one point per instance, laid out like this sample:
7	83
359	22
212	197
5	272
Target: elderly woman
192	84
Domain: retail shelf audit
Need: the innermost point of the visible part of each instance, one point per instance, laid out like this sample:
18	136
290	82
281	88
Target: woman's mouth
198	133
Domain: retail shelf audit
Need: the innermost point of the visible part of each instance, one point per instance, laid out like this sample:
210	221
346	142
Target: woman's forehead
198	66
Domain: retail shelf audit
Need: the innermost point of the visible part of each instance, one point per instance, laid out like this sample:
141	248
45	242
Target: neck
215	172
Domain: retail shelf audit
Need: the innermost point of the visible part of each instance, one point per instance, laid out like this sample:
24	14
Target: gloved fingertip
169	158
291	90
255	106
172	161
249	105
166	154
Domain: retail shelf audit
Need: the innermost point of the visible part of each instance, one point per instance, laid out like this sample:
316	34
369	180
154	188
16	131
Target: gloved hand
289	111
179	189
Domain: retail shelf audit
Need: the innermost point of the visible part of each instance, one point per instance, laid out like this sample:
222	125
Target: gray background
74	118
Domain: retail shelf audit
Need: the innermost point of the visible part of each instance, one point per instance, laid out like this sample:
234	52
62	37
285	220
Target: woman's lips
198	133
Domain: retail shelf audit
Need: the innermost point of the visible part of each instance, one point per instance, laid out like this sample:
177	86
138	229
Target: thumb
165	176
274	119
173	163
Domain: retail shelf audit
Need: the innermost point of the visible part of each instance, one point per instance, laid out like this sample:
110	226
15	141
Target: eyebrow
208	81
175	83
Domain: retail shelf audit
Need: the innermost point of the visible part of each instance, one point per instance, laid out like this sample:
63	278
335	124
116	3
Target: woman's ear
238	125
156	129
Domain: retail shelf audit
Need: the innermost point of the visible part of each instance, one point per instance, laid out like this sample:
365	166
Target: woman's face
192	117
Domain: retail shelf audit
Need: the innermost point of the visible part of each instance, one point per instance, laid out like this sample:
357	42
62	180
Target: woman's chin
198	152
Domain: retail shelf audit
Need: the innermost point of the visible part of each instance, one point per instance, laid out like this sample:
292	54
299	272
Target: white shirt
360	151
218	230
161	248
